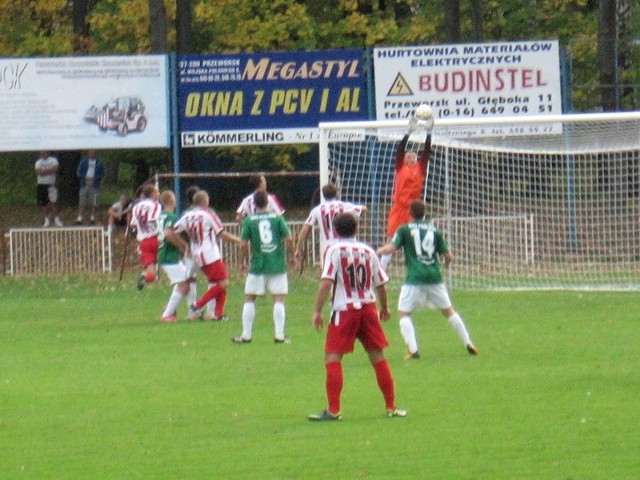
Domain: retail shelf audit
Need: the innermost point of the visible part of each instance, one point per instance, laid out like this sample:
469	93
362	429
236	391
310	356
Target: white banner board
469	80
72	103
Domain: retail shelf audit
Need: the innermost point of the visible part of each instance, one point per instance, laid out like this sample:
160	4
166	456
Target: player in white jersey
323	216
145	216
247	206
203	227
352	272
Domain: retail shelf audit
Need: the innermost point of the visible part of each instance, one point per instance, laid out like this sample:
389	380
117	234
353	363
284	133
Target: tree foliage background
68	27
46	28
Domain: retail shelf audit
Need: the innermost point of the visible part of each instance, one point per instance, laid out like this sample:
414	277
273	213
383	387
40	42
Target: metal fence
59	251
76	250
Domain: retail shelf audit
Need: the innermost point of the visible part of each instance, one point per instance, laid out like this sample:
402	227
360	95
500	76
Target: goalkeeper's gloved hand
413	125
429	124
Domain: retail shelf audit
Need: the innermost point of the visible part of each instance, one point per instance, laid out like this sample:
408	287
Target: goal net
525	202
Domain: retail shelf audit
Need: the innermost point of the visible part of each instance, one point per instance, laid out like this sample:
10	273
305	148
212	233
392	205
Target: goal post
536	202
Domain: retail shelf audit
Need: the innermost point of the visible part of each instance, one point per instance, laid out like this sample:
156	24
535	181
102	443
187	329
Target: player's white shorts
277	284
191	266
413	297
177	272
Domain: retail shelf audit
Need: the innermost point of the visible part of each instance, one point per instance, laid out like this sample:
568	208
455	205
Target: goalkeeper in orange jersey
410	175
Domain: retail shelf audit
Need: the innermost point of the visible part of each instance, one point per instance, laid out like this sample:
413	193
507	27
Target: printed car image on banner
468	80
69	103
269	97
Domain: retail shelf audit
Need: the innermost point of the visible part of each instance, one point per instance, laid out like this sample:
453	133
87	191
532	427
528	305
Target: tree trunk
452	20
478	29
184	31
143	172
112	171
68	183
158	26
607	54
79	12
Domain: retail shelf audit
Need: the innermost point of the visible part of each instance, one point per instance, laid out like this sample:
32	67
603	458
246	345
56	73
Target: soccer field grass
93	386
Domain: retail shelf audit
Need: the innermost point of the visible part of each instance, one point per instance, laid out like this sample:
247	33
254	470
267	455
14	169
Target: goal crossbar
508	120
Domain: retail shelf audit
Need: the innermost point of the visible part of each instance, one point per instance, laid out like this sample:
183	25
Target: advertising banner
74	103
269	97
469	80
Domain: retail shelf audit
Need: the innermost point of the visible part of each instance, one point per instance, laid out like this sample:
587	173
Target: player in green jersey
170	253
266	234
424	246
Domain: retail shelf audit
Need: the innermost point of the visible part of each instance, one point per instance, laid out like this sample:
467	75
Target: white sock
458	325
248	316
385	259
279	320
174	300
408	334
211	306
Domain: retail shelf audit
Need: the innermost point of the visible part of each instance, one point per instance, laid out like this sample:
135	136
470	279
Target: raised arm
401	149
425	155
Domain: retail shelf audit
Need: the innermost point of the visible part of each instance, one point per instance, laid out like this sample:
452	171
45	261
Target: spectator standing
266	233
90	173
46	169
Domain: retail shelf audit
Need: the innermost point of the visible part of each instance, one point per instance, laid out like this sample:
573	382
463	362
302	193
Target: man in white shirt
247	207
46	168
322	215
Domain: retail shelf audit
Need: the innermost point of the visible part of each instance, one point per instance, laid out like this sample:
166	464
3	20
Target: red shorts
347	326
398	216
148	249
215	271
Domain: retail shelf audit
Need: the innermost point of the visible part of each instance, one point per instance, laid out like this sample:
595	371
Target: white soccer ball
424	112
